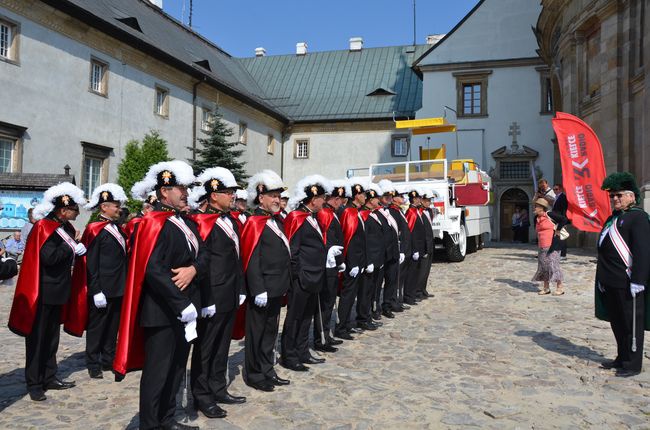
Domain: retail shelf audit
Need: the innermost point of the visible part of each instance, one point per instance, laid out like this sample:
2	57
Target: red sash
412	216
75	313
293	222
349	224
235	215
23	308
325	217
129	354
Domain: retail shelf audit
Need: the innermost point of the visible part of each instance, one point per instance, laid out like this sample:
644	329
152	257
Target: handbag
564	234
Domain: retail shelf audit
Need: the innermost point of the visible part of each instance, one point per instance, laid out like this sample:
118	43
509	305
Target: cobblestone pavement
487	352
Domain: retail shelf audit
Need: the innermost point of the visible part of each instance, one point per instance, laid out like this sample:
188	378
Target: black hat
151	199
357	189
414	194
313	191
65	201
338	192
371	194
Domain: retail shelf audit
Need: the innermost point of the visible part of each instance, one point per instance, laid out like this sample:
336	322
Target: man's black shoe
398	308
313	360
59	385
356	330
405	307
296	367
262	386
611	364
229	399
343	335
37	396
376	315
95	373
410	303
174	425
276	380
107	367
212	411
376	323
427	295
325	348
332	341
387	313
367	326
626	373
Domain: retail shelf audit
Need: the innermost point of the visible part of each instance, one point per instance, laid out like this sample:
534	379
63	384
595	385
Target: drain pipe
194	97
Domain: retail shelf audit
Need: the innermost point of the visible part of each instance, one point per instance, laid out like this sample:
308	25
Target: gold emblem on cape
65	199
214	184
314	190
166	177
105	195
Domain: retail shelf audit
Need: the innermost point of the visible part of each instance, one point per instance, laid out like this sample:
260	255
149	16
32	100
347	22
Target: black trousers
41	346
379	282
411	282
365	295
401	278
327	298
295	332
166	352
261	335
563	248
391	272
210	357
101	334
619	306
346	302
425	270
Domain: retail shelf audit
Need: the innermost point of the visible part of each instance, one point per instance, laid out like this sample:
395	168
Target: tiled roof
32	181
339	85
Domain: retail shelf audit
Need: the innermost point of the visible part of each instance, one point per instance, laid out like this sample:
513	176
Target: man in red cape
418	247
44	286
354	238
147	206
265	259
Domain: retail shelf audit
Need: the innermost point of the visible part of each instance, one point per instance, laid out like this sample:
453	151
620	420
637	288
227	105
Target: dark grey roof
32	181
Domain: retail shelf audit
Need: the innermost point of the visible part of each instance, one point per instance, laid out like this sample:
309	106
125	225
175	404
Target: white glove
370	268
100	300
261	299
600	287
80	249
416	256
335	251
402	257
331	262
189	314
242	297
209	311
354	271
342	268
425	255
4	259
636	289
190	331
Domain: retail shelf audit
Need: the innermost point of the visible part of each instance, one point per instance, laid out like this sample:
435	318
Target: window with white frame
400	146
270	144
302	148
92	174
98	77
206	120
8	40
6	154
243	133
161	106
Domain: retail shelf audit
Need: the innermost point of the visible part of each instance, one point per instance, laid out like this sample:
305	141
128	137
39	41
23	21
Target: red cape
23	308
349	223
75	313
205	223
129	227
293	222
235	215
411	217
129	354
325	217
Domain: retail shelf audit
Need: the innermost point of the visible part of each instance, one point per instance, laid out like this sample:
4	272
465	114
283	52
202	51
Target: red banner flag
583	172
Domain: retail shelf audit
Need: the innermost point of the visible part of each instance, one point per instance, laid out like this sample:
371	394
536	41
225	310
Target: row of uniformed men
167	277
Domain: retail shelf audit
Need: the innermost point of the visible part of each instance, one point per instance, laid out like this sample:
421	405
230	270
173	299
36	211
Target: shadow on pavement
13	386
551	342
526	287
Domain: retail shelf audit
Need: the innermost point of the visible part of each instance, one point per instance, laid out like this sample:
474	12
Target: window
515	170
92	174
592	63
472	93
98	77
243	133
6	155
546	103
400	146
161	106
270	144
302	148
94	166
206	120
8	40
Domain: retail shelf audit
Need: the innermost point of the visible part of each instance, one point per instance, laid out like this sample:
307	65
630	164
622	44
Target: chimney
260	52
356	43
157	3
433	39
301	48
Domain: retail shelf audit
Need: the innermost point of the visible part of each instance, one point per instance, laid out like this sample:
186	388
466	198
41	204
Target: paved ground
487	351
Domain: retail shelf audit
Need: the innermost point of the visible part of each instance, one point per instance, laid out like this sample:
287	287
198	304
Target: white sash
242	219
428	215
391	221
273	226
229	230
192	241
621	247
363	225
66	238
113	231
314	224
375	217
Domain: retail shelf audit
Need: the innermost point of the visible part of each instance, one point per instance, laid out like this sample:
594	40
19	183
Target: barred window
302	148
98	77
6	155
9	40
515	170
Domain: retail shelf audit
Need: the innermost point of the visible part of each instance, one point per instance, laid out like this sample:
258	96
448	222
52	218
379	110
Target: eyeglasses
229	192
617	195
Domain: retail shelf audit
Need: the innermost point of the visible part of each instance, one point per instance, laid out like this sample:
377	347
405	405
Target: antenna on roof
191	10
414	39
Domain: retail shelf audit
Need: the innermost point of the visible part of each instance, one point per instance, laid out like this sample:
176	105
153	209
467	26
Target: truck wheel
456	252
481	245
472	244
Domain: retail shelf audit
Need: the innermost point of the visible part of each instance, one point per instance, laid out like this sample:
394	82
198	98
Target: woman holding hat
548	225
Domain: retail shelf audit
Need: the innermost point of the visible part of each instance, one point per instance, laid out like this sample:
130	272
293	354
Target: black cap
414	193
338	192
313	191
371	194
166	178
357	189
65	201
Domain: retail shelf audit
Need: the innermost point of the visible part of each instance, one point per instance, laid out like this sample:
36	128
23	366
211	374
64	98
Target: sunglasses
617	195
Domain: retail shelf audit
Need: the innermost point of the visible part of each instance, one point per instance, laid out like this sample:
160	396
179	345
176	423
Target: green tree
138	157
218	149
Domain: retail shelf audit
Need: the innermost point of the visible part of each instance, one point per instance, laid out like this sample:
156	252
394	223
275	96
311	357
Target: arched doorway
510	199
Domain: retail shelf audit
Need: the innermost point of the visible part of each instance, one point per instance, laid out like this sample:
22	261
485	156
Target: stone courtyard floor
486	351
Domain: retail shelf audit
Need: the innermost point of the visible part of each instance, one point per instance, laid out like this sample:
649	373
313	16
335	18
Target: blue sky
239	26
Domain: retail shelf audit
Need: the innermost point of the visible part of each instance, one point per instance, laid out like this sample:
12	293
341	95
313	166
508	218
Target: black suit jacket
56	259
162	301
356	252
561	204
428	232
225	280
634	227
391	238
334	238
8	269
418	237
375	250
404	232
106	264
308	257
269	268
